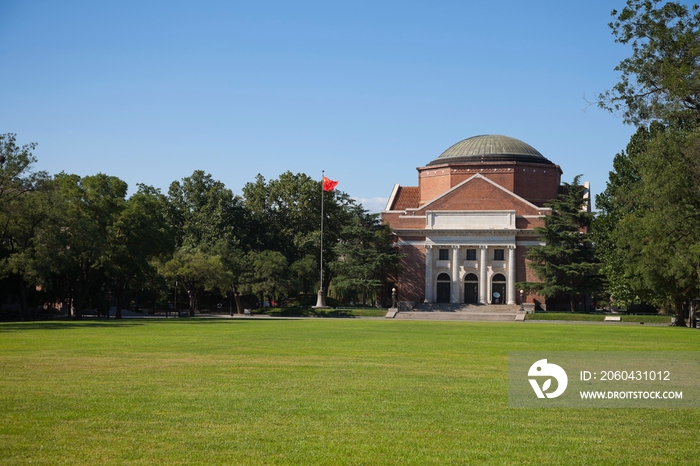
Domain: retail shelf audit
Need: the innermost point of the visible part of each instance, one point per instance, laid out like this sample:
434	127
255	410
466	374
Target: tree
16	175
287	212
286	215
24	206
661	79
23	219
304	275
647	229
76	243
618	200
365	256
566	263
203	212
139	235
266	275
234	261
196	272
656	232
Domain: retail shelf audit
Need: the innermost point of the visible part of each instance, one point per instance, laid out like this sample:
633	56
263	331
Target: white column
429	295
455	275
510	287
482	275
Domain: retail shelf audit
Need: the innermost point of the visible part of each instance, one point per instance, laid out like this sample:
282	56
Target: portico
471	261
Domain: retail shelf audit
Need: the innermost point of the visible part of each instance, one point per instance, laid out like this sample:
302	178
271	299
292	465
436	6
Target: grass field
658	319
314	391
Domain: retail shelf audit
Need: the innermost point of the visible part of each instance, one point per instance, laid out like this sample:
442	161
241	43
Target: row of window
498	254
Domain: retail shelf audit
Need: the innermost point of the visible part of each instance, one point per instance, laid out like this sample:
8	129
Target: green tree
287	213
365	257
304	275
16	174
24	207
75	245
657	237
203	212
29	215
139	235
618	200
196	271
286	216
566	263
212	226
235	262
661	79
266	276
648	228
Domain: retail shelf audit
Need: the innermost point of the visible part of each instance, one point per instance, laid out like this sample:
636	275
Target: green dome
491	147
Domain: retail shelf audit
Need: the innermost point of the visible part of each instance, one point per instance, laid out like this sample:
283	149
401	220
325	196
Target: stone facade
466	227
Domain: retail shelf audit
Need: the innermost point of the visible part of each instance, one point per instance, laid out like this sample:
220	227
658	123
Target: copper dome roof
491	147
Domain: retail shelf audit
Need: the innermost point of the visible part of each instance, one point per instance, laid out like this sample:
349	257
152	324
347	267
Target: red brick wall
411	283
433	183
537	184
523	273
533	182
528	223
409	222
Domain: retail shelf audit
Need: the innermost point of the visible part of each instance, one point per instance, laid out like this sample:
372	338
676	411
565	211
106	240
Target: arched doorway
498	289
443	288
471	289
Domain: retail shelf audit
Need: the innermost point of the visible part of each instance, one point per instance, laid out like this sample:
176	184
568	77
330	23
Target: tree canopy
83	241
565	263
661	78
365	256
648	222
649	226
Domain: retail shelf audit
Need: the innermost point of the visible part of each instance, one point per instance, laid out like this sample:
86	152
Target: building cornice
409	232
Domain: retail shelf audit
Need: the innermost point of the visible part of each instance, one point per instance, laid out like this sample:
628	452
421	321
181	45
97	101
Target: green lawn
314	391
597	317
310	312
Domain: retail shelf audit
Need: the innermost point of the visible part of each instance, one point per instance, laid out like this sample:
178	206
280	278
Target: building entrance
443	288
471	289
498	289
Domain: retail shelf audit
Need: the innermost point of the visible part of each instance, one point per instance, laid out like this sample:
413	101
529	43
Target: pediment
479	193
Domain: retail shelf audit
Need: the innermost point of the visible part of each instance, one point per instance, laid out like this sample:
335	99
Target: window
471	254
498	254
444	254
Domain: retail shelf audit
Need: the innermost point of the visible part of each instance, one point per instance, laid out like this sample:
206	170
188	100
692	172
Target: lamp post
393	297
522	302
176	309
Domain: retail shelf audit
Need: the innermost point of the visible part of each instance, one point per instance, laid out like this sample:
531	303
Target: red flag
328	184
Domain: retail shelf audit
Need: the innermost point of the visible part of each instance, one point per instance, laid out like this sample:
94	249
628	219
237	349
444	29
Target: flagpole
321	298
323	195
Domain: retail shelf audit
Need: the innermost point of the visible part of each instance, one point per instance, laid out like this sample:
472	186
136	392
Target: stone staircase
467	312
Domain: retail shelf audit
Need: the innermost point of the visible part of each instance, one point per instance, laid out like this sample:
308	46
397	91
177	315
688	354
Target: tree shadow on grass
309	312
227	320
67	324
63	325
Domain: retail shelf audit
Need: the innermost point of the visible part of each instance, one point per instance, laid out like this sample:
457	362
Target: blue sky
368	91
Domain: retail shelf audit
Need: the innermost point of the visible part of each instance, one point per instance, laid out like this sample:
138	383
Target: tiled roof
408	197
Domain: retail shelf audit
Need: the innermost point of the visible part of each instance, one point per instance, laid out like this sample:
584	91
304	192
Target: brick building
467	225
